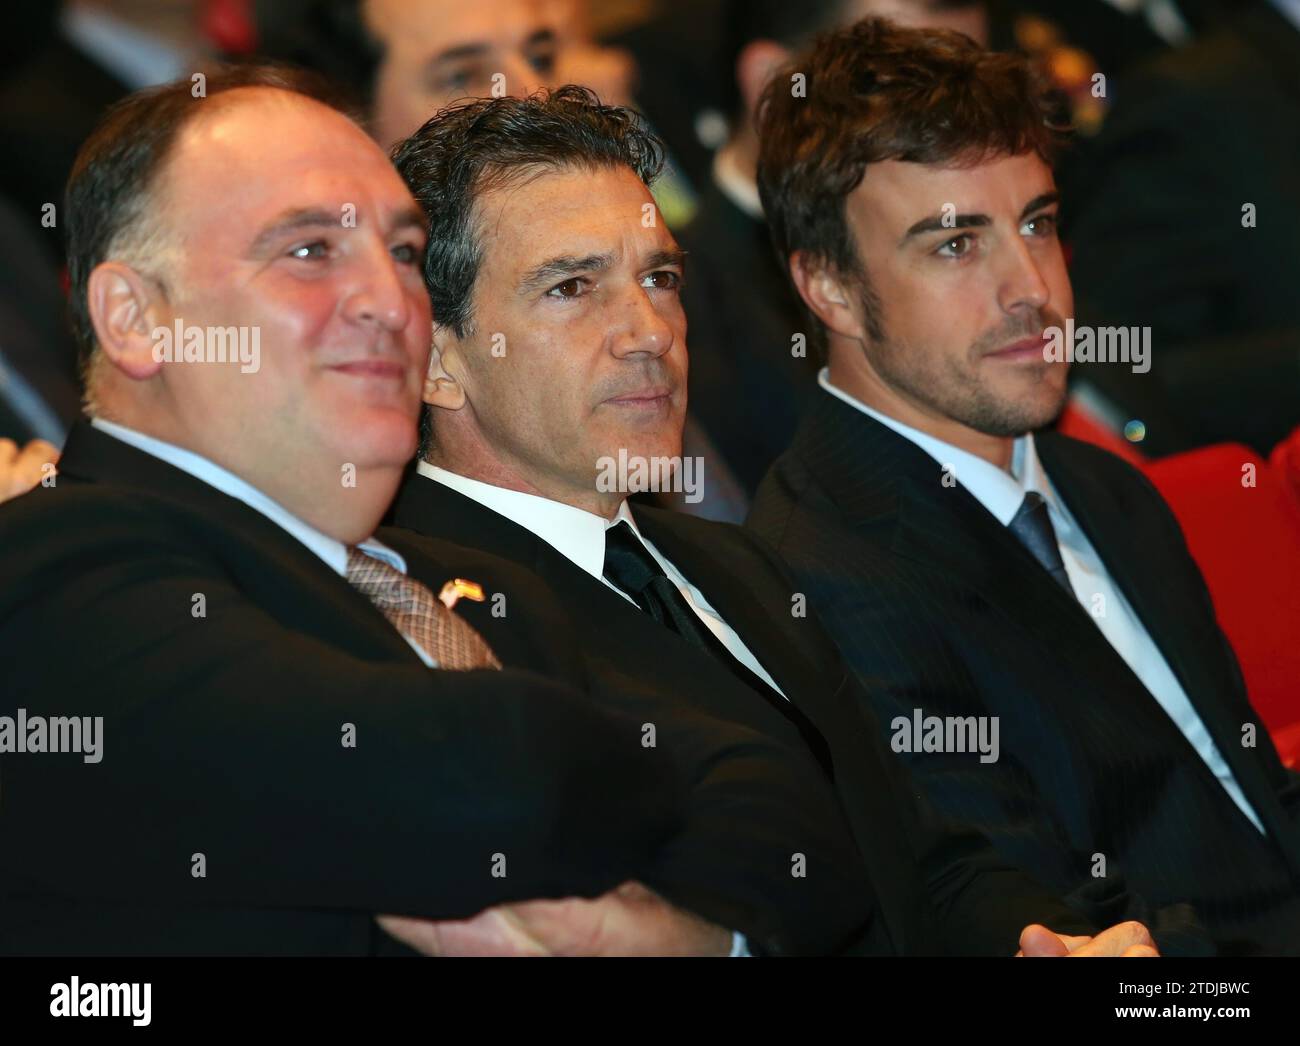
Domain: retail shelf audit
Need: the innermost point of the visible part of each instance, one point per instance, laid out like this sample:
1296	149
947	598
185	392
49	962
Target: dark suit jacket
1155	226
938	606
222	736
931	892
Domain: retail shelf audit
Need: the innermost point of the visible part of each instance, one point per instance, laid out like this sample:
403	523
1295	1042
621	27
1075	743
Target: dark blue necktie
1033	527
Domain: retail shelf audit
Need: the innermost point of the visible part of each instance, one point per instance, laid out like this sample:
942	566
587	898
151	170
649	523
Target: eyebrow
299	218
564	266
935	223
478	49
1039	202
409	218
456	54
541	36
561	267
291	221
667	256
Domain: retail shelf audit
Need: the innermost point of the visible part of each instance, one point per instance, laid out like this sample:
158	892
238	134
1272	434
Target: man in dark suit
222	728
973	570
557	372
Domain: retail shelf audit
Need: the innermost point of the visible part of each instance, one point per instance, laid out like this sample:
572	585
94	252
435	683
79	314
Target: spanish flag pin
456	589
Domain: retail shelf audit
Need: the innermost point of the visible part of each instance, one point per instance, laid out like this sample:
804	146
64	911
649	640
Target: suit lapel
885	483
755	607
272	566
950	532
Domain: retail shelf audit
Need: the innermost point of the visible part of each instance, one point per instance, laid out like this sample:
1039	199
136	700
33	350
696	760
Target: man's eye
663	279
1043	225
316	251
462	78
543	61
406	253
571	288
957	247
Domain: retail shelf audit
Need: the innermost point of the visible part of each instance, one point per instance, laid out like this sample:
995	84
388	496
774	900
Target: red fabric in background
229	25
1246	540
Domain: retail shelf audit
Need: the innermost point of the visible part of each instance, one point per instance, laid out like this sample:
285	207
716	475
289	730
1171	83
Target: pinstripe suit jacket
937	606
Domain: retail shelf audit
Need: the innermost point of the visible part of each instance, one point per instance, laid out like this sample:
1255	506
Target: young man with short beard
969	564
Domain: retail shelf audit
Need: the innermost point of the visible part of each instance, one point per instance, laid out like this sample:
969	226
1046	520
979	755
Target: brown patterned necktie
419	615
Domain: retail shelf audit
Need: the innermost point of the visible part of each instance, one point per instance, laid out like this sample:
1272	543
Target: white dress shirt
579	536
1002	492
332	551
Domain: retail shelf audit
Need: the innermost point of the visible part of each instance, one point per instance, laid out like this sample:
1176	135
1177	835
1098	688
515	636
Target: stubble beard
954	390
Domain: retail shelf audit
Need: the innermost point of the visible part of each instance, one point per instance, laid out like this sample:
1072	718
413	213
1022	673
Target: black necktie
1033	526
631	568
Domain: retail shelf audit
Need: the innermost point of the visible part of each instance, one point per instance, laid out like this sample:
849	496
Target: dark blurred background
1198	114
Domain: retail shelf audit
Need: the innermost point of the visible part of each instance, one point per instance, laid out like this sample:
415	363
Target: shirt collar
329	549
576	534
998	490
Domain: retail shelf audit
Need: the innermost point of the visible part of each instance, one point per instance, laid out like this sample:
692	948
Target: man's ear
125	308
755	65
441	388
830	297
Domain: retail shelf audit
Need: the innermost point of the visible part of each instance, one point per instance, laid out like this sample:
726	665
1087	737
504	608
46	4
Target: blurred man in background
403	60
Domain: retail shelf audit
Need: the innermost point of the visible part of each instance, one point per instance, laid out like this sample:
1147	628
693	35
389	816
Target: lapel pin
458	588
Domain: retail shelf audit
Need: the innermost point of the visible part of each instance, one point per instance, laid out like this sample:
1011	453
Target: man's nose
639	328
522	77
380	296
1021	283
